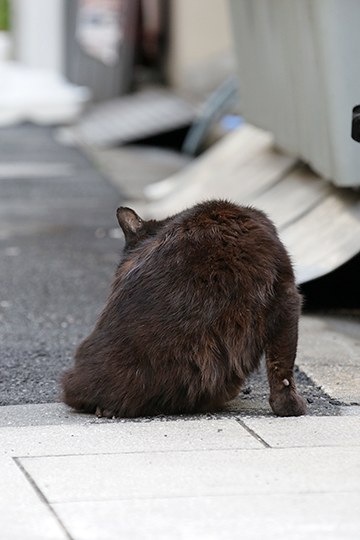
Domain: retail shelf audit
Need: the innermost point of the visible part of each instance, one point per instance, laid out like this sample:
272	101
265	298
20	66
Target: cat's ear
130	223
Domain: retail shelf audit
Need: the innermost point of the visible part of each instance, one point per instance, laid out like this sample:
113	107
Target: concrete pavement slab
116	437
340	382
315	516
205	477
329	353
30	522
308	431
14	487
22	509
195	473
350	410
40	414
324	338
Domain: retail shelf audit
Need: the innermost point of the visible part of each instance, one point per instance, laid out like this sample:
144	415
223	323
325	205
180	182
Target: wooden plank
242	165
326	237
133	117
292	197
319	224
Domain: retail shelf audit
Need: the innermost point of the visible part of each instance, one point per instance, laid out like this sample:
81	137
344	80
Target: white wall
39	33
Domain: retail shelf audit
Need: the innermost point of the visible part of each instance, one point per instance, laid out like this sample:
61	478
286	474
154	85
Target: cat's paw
104	413
287	403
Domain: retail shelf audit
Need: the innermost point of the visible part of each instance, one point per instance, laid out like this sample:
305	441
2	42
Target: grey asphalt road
58	254
57	259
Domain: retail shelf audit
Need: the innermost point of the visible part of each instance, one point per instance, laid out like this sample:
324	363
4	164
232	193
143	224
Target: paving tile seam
270	449
41	496
252	433
203	496
142	452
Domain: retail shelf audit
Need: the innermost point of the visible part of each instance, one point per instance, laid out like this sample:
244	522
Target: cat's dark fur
196	300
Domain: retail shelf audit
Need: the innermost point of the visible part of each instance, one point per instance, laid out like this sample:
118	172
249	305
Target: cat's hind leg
280	355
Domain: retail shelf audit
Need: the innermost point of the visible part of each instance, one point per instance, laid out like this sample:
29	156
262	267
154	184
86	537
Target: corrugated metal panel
300	78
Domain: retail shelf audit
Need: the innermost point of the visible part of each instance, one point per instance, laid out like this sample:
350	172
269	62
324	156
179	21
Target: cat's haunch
196	300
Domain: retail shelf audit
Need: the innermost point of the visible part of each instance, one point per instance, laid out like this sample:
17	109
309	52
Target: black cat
196	300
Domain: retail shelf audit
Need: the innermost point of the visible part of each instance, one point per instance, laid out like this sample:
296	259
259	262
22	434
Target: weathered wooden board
292	197
240	166
319	224
131	118
325	237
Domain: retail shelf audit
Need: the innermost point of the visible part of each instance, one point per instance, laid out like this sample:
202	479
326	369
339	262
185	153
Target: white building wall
38	32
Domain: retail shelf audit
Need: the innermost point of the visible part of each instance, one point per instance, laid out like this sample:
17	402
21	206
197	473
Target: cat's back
219	236
215	249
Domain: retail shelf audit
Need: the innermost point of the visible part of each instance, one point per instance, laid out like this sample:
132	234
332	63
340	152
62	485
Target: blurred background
158	104
173	77
66	54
